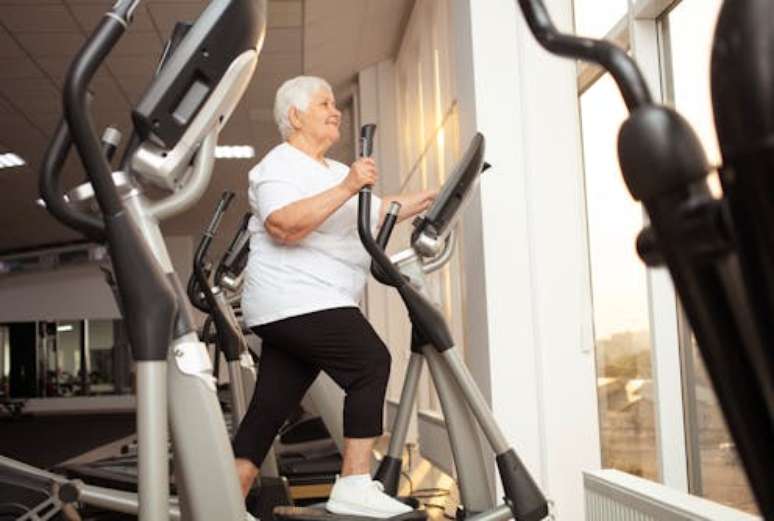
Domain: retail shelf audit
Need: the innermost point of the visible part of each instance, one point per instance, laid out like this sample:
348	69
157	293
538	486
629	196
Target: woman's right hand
362	173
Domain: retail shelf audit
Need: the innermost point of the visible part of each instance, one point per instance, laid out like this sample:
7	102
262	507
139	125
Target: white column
528	313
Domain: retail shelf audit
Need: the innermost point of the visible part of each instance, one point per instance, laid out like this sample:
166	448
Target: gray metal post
238	402
476	401
152	456
203	453
476	491
408	397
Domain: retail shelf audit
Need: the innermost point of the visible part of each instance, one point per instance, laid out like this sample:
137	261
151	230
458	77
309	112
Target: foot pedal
320	514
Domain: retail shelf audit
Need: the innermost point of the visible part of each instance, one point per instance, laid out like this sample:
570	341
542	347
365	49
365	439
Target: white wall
76	292
525	253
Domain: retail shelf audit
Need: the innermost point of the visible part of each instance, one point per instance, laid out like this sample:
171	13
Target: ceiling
38	38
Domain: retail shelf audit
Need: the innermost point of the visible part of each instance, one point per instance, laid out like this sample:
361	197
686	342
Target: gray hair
296	92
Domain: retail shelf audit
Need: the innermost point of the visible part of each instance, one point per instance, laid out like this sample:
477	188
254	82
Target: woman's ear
296	118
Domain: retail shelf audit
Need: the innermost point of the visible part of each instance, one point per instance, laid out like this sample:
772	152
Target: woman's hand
418	202
362	173
410	204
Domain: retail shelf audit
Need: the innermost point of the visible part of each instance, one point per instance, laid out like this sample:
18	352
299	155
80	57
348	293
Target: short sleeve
272	194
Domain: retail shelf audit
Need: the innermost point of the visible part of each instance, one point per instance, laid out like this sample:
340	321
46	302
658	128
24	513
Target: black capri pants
338	341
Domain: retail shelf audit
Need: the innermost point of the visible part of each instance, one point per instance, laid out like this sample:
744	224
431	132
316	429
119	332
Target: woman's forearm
410	204
295	221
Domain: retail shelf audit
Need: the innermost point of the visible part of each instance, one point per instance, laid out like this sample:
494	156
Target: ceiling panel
143	65
31	94
22	67
37	18
167	15
286	14
8	47
88	15
136	42
51	44
283	40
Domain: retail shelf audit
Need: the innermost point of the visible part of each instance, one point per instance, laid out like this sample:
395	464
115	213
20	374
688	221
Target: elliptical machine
177	123
719	252
464	407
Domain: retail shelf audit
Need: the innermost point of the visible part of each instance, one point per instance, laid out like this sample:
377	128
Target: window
715	470
619	292
595	18
64	358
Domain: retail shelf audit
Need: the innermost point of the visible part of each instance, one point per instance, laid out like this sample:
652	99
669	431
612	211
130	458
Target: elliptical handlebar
232	262
199	282
610	57
381	267
51	192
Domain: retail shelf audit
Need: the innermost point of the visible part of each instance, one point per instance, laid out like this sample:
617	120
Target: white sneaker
359	496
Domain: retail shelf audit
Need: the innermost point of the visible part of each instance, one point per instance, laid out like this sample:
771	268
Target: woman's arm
291	223
411	204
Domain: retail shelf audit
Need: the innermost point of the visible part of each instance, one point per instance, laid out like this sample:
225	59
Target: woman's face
320	122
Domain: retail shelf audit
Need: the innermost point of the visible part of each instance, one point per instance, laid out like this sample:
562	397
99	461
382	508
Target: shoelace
378	485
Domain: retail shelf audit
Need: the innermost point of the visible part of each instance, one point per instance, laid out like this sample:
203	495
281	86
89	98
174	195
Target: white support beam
526	293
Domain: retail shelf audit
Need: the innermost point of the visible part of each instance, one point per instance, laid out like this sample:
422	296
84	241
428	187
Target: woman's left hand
411	204
418	202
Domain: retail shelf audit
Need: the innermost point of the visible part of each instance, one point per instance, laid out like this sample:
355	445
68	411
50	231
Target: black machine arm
147	297
229	337
709	250
200	284
52	193
234	259
612	58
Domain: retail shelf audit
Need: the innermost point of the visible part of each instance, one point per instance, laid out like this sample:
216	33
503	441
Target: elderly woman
305	276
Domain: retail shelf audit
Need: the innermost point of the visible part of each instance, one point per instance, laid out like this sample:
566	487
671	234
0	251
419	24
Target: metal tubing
118	501
204	458
476	492
500	513
408	398
238	402
152	441
196	185
476	401
443	258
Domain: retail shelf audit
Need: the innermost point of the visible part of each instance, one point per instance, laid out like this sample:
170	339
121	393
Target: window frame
640	32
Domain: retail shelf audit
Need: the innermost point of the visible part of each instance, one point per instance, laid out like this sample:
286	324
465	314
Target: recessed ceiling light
234	152
64	328
10	160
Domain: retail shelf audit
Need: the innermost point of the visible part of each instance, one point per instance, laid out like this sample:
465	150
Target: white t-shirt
328	268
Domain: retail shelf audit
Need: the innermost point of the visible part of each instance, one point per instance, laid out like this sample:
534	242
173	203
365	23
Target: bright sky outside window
595	18
619	293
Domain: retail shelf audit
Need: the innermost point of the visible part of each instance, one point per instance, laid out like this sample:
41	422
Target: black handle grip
233	261
223	204
390	218
367	133
51	193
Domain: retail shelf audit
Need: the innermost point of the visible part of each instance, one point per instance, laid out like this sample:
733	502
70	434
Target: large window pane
691	27
716	472
595	18
619	292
